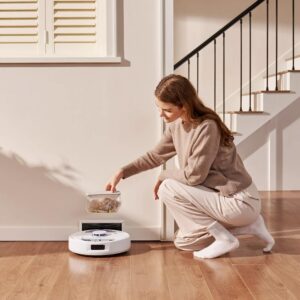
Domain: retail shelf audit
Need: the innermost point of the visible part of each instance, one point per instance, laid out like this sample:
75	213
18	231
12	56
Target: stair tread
282	72
246	112
269	92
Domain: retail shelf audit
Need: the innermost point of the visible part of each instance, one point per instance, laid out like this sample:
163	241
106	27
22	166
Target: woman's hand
112	184
156	187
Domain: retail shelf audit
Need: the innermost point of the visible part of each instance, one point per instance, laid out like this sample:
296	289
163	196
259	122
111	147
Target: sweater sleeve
204	152
163	151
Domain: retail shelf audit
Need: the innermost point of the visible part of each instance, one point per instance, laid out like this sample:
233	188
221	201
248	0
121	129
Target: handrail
213	37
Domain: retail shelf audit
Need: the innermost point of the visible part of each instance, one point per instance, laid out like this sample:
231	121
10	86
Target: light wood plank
114	279
148	280
223	281
263	283
15	262
41	274
287	269
75	278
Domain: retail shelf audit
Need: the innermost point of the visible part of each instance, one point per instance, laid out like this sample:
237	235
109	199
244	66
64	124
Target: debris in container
104	205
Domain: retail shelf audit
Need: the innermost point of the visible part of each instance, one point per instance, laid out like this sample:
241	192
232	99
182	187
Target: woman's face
169	112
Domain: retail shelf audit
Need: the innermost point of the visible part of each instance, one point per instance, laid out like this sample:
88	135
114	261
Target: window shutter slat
19	15
74	23
18	23
75	30
74	14
18	6
22	1
19	39
75	39
85	1
18	31
76	6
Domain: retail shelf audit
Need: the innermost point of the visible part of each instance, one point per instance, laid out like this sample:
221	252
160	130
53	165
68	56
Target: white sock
259	229
225	242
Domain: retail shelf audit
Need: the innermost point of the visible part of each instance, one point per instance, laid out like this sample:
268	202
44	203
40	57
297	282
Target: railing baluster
197	72
267	47
215	77
250	56
293	12
276	46
189	69
223	76
241	64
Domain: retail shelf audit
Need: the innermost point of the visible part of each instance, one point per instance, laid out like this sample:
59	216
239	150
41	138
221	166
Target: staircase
279	90
267	104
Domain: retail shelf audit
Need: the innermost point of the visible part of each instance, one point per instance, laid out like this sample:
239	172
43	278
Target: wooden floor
154	270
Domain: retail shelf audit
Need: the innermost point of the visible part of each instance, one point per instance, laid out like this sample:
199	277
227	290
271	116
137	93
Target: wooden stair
268	92
282	73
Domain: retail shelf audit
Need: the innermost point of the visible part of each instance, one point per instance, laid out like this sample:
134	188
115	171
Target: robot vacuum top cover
97	242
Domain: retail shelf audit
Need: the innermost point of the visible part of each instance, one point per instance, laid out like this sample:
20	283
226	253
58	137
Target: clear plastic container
103	202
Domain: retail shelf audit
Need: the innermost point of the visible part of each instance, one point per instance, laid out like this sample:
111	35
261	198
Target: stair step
268	92
246	112
282	73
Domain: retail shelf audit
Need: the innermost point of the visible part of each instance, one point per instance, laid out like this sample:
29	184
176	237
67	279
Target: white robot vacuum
99	242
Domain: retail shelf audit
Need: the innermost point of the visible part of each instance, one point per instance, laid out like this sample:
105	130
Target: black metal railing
293	33
267	45
241	64
222	32
276	46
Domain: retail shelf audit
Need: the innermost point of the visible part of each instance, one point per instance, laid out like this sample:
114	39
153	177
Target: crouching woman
211	196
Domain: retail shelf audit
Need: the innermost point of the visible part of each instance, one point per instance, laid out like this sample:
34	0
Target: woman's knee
166	188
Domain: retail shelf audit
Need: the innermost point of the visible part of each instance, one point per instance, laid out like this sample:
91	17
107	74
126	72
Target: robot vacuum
97	242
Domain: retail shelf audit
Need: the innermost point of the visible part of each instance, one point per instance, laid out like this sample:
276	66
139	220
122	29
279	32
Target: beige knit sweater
202	160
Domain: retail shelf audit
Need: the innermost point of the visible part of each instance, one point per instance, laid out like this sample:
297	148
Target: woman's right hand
111	185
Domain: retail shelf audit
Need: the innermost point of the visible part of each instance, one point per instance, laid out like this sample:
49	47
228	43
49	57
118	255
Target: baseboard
61	233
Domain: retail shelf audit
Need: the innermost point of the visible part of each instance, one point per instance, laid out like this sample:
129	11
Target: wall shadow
31	194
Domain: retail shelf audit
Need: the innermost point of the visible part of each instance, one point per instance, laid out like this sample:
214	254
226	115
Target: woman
211	197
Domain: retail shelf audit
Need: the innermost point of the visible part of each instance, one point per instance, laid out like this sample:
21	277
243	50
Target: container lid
103	193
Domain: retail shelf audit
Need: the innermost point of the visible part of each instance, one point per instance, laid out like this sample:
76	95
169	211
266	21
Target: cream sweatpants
194	208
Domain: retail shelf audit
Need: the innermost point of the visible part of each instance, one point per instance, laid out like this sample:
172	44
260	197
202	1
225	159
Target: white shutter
75	27
19	27
57	30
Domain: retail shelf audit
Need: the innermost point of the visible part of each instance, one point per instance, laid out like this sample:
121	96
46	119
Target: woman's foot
224	243
217	248
259	229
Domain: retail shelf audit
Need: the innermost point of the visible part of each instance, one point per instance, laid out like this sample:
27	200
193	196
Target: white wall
65	129
271	153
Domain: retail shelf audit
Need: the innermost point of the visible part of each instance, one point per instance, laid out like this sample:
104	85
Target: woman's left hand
156	187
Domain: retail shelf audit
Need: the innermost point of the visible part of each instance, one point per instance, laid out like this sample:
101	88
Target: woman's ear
184	110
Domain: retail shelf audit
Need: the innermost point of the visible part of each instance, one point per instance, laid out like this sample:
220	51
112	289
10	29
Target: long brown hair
179	91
